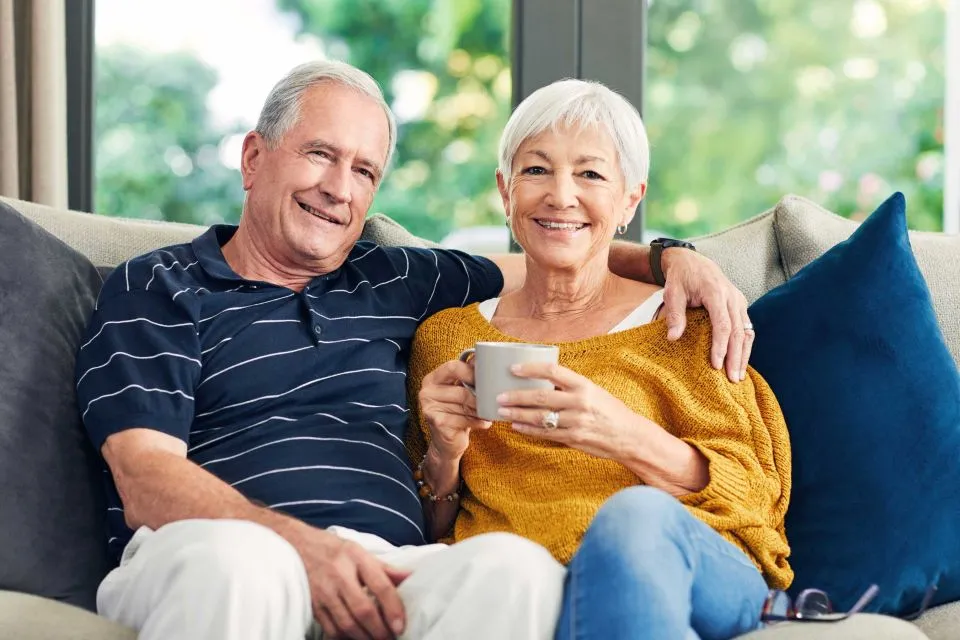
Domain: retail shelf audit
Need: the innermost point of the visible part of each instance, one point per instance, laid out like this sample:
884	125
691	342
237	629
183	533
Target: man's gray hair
281	110
580	103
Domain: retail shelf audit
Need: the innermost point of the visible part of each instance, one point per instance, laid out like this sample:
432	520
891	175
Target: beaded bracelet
426	491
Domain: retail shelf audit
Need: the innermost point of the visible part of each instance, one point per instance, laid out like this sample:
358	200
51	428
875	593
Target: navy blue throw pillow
853	352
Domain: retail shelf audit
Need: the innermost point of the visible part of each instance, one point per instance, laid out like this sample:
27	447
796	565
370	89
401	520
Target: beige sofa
757	255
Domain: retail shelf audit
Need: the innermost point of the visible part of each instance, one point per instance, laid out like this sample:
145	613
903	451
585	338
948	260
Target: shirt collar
207	248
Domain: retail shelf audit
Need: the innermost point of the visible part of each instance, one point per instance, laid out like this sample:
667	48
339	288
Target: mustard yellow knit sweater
549	493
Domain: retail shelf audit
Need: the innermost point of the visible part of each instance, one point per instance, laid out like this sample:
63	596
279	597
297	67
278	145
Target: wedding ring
748	326
551	421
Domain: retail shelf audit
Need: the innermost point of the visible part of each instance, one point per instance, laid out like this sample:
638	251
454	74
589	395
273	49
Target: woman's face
566	196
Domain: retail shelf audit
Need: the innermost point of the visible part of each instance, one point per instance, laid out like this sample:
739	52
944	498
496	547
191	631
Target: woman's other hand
450	409
592	420
589	418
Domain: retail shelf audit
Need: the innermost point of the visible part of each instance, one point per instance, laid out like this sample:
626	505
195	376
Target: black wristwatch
656	250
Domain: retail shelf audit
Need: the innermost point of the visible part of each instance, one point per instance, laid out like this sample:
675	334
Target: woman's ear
632	202
504	193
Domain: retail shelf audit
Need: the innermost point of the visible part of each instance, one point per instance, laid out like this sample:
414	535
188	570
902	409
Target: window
174	97
841	101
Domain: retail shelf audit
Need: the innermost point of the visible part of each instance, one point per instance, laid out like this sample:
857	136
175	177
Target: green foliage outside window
745	101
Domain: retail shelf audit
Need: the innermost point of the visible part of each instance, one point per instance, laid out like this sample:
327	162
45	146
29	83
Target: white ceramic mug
491	364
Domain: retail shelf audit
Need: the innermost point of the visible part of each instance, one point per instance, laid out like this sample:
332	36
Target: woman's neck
549	294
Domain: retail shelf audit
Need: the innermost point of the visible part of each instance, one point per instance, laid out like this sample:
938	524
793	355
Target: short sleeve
442	278
138	365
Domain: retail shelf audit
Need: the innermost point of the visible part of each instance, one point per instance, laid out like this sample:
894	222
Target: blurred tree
444	67
837	101
157	150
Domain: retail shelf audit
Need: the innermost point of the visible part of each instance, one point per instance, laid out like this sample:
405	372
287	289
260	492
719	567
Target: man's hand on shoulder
694	280
354	594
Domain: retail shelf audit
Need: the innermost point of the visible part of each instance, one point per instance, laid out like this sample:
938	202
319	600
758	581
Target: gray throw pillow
52	533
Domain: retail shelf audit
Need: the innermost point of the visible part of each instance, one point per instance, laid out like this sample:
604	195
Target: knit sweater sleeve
740	430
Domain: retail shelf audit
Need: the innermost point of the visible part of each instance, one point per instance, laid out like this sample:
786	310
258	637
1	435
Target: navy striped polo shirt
298	400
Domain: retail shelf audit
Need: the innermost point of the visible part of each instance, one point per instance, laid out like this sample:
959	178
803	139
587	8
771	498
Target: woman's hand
450	409
592	420
588	417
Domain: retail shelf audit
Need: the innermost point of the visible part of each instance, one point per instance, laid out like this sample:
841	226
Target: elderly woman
659	483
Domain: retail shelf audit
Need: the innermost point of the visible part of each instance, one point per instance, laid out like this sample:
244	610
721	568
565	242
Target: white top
643	314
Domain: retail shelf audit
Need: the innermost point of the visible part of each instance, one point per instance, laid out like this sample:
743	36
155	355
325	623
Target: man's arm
158	485
692	281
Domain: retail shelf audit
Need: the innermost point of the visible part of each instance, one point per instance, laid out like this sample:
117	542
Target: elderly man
248	394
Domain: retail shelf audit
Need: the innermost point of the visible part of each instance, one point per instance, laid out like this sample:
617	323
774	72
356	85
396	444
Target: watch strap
656	268
656	256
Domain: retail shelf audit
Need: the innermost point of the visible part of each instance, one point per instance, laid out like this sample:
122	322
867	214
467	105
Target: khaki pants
230	579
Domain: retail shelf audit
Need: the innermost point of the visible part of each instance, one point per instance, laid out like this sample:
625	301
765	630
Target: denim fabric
648	569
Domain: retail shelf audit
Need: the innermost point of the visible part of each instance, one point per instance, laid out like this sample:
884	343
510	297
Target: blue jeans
648	569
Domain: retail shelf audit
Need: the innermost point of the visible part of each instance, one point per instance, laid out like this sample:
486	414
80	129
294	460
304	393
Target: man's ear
504	193
253	148
633	201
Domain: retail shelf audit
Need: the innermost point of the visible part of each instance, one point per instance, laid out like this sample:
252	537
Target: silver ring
551	421
748	326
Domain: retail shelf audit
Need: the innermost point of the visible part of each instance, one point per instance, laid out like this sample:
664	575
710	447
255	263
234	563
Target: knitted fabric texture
549	493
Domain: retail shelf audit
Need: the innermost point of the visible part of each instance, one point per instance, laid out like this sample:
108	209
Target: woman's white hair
580	103
281	110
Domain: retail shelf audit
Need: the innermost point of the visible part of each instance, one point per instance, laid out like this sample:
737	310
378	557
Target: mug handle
466	356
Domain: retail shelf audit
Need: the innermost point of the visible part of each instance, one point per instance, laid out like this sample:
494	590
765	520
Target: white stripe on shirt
327	467
240	364
130	355
148	320
135	386
309	438
342	502
296	388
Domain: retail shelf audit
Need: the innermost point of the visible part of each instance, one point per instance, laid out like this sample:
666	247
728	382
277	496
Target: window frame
551	39
556	39
80	43
951	122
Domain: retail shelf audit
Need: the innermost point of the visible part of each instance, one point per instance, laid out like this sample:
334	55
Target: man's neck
251	259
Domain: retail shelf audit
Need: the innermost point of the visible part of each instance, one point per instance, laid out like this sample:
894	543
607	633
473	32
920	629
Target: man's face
307	199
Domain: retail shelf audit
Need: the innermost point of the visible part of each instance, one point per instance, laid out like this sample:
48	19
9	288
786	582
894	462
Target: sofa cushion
108	240
805	230
26	617
852	350
862	627
52	535
941	623
748	254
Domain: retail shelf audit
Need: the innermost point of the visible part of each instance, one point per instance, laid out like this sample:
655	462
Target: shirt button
317	329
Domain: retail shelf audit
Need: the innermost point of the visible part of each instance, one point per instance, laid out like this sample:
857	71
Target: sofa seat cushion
941	623
805	230
852	349
865	626
27	617
52	534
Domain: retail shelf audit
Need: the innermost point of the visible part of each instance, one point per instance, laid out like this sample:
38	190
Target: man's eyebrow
374	167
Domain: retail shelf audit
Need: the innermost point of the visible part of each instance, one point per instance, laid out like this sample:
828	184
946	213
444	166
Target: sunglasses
813	605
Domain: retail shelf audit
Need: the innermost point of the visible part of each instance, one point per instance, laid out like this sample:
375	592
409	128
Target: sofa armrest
28	617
